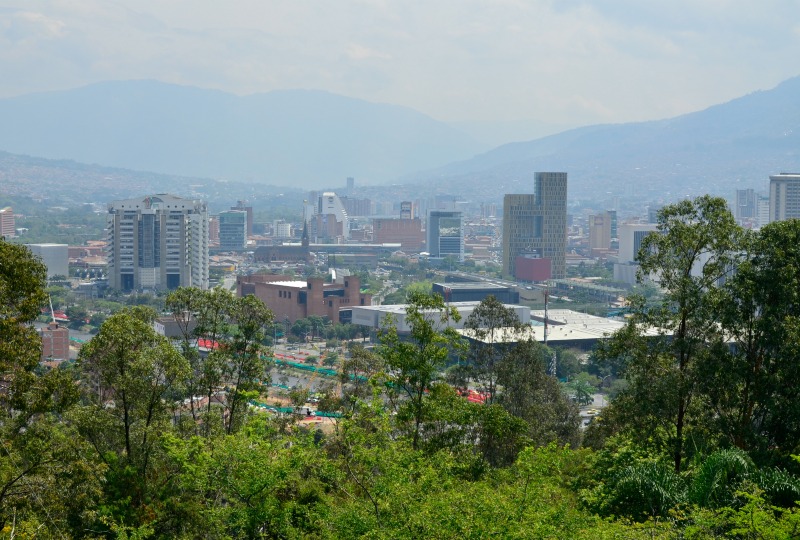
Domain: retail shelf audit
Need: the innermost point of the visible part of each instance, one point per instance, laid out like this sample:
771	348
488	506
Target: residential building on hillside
157	242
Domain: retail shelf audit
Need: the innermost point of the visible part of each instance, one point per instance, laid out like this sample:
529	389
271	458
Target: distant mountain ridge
310	139
299	138
717	150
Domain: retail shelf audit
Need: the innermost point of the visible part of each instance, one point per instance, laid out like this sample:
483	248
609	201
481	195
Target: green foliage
418	358
648	489
47	482
113	447
489	325
696	245
128	373
532	395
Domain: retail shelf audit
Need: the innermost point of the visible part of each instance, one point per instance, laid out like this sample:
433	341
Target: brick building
406	232
295	299
55	342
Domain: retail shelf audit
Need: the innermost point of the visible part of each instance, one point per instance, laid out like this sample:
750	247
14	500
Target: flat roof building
375	316
475	291
535	225
157	242
784	196
291	299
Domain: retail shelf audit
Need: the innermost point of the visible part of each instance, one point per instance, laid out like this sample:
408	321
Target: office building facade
233	230
157	242
784	196
535	225
602	228
445	234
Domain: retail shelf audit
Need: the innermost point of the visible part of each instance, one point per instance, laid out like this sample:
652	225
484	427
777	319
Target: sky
507	68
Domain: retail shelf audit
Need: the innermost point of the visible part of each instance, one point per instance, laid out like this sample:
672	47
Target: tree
128	372
46	481
246	367
536	397
358	374
417	358
331	357
759	310
696	246
202	315
493	330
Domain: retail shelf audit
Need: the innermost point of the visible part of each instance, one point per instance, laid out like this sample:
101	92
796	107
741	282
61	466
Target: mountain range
299	138
310	139
733	145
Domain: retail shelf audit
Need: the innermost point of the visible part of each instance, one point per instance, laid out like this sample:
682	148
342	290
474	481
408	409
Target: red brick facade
289	299
55	342
406	232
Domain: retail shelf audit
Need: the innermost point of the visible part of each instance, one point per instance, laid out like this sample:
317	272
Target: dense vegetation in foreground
700	444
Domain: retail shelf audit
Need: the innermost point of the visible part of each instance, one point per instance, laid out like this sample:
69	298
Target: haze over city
500	70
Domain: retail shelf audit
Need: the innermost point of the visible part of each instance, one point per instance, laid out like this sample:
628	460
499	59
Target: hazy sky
558	62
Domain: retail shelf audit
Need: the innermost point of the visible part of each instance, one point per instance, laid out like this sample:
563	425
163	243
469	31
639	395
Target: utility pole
546	296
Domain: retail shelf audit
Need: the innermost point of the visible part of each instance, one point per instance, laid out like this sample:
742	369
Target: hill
728	146
68	183
299	138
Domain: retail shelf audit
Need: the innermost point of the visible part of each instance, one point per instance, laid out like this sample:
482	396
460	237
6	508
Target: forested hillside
143	438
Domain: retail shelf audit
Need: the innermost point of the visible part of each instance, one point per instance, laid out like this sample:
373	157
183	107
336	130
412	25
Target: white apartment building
157	242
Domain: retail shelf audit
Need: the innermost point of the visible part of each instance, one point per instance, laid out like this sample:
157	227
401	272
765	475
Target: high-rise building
157	242
7	223
445	234
406	210
54	256
745	205
631	236
242	205
630	239
762	209
233	230
213	230
356	207
334	215
784	196
535	225
602	228
281	229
